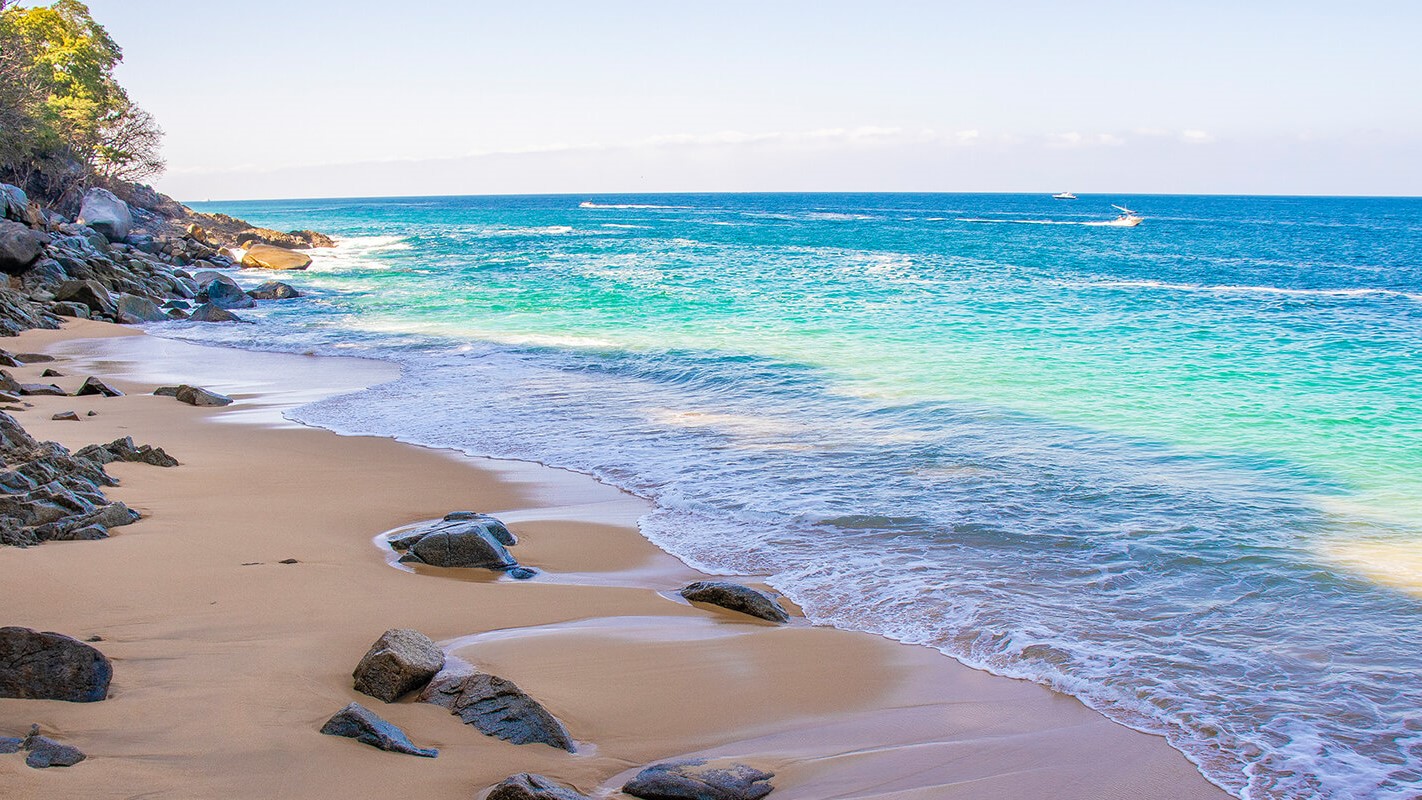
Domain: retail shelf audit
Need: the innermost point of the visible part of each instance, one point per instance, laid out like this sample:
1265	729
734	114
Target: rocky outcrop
125	450
355	721
264	256
295	240
51	666
273	290
698	779
20	247
400	661
736	598
46	493
498	708
198	396
208	312
45	752
525	786
105	213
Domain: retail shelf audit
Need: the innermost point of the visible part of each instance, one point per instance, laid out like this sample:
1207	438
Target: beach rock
493	525
736	598
132	309
313	239
498	708
228	295
524	786
265	256
198	396
105	213
51	373
9	744
95	386
167	391
355	721
78	310
177	313
400	661
125	450
205	278
42	389
8	383
51	666
89	292
14	204
20	247
698	779
470	545
273	290
66	416
35	358
45	752
207	312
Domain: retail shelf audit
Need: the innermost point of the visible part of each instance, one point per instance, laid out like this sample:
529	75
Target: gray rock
471	545
89	292
167	391
41	389
228	295
20	247
45	752
93	385
524	786
198	396
51	666
400	661
132	309
496	528
497	708
9	745
274	290
736	598
355	721
107	214
125	450
69	309
14	204
207	312
697	779
66	416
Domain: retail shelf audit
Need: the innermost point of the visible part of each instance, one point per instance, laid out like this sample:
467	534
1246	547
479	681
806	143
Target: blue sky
307	98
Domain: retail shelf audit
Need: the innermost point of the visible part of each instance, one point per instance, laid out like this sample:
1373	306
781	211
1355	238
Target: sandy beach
227	662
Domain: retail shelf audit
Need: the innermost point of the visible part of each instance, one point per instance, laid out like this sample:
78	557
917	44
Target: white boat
1127	218
1064	196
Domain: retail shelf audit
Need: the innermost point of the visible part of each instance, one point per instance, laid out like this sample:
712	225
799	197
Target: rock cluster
463	539
125	261
48	493
43	752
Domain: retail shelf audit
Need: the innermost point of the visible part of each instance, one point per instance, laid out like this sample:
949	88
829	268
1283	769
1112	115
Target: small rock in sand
51	373
95	386
736	598
697	779
355	721
46	752
66	416
400	661
198	396
525	786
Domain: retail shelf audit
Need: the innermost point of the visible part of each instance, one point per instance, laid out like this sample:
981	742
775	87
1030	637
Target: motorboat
1064	196
1126	219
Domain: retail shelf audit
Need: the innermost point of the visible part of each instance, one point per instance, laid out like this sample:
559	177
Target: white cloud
1196	137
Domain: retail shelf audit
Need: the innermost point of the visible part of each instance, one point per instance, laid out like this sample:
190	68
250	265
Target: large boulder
400	661
132	309
105	213
355	721
698	779
524	786
90	293
51	666
498	708
20	247
737	598
467	545
14	204
265	256
210	312
225	294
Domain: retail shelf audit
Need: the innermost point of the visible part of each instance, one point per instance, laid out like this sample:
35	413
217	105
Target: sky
339	98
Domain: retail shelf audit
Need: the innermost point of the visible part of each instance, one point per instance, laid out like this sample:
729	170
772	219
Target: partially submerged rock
355	721
498	708
208	312
273	290
38	665
198	396
228	295
45	752
464	544
698	779
265	256
736	597
525	786
400	661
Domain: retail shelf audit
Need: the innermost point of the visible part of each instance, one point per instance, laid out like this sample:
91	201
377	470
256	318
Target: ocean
1173	470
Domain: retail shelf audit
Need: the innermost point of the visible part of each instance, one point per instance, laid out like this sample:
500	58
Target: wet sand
226	662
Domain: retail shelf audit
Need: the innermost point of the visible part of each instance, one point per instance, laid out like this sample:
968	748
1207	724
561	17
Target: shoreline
599	636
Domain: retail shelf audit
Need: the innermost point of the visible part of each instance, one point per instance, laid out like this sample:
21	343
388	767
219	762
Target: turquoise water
1174	470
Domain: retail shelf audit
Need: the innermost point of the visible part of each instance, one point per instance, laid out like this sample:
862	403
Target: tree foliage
64	119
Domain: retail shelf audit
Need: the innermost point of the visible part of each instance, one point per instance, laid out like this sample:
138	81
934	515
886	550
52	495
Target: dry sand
225	669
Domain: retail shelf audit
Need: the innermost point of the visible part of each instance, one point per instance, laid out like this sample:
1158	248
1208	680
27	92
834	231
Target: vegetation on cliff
65	122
